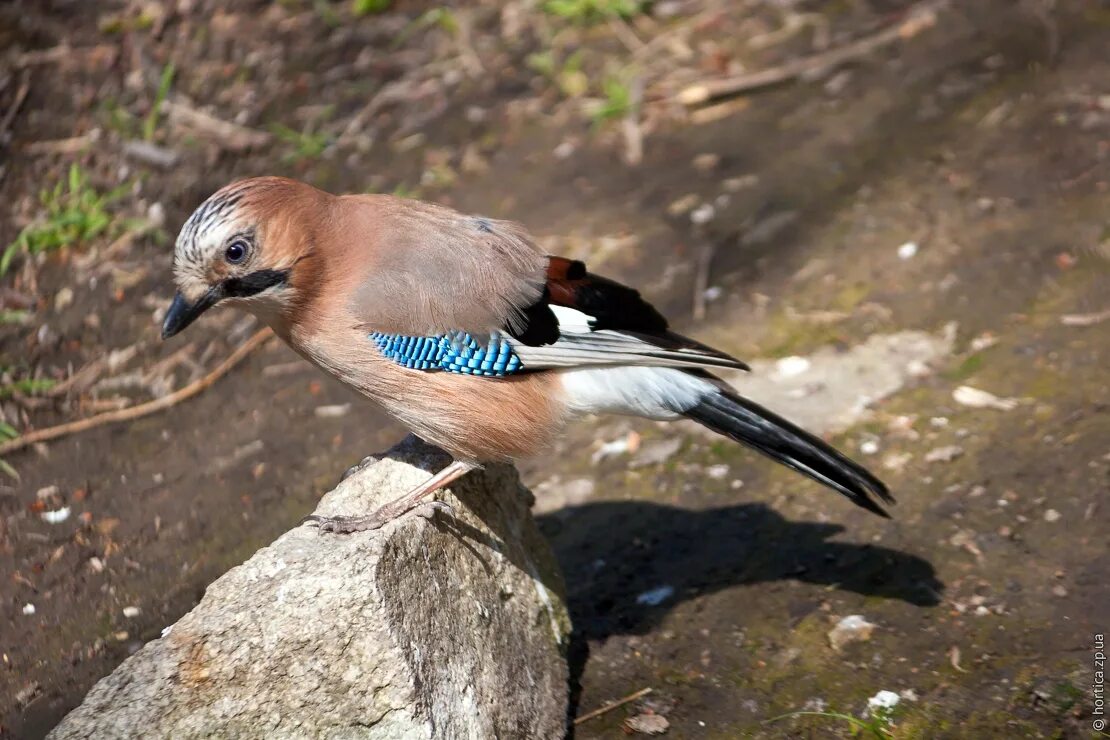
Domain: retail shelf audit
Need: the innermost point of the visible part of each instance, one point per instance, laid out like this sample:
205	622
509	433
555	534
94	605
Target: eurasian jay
464	330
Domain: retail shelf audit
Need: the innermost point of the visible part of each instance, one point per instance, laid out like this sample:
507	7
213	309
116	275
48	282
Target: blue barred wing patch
454	352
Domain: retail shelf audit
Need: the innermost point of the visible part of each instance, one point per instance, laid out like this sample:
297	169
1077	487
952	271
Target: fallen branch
1085	319
921	17
612	705
701	280
79	55
230	136
17	103
143	409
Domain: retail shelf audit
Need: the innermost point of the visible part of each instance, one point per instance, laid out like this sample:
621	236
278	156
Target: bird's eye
236	251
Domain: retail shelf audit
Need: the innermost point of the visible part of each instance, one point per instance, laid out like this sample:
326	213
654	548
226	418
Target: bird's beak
182	313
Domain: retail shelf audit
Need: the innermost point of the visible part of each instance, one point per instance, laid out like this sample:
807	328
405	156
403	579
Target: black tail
740	419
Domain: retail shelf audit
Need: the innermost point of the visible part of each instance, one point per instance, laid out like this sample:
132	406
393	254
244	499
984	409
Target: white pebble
883	700
131	612
717	472
907	251
869	447
703	214
55	517
28	609
156	214
788	367
1052	515
965	395
332	412
564	150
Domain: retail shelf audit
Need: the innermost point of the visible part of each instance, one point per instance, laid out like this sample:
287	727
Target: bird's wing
474	295
584	320
432	270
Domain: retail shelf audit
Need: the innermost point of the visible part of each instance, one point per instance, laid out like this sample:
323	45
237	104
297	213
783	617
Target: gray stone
428	627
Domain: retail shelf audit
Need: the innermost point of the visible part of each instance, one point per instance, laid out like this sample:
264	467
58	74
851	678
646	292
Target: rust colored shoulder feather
613	306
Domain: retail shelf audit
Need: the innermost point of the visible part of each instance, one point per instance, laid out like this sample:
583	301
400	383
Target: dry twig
701	280
230	136
143	409
612	705
17	103
921	17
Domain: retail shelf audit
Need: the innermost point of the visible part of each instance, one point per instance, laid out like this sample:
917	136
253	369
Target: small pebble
736	184
332	412
28	609
884	700
853	628
1051	515
703	214
706	162
788	367
55	517
156	214
564	150
907	251
947	453
63	299
647	724
131	612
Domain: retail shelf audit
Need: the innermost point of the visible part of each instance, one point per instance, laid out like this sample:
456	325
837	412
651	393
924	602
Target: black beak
182	313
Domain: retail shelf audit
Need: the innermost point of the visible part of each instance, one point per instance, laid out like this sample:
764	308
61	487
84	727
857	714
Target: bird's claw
351	524
345	524
428	509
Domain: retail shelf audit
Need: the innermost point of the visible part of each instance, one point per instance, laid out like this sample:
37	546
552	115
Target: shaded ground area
953	183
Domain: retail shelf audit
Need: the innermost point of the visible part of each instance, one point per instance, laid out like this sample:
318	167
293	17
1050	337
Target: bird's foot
376	520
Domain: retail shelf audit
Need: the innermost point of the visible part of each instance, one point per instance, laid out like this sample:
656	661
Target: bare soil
693	567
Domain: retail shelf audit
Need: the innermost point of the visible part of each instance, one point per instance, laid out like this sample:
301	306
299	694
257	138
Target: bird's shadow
616	556
628	563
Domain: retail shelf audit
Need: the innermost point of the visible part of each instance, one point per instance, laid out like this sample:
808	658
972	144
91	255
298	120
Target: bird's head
242	246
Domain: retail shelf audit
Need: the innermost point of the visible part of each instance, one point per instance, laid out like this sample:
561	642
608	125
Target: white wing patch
653	392
580	345
571	319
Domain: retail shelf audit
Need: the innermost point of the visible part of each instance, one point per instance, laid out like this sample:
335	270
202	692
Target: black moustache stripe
253	283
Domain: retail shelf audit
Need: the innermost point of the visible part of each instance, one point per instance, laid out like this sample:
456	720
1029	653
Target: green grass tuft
304	145
592	11
617	102
150	125
75	213
369	7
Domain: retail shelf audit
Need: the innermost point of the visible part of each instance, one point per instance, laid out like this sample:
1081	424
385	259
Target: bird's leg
395	508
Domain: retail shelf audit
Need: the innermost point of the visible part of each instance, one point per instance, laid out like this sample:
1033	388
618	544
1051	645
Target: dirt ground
952	183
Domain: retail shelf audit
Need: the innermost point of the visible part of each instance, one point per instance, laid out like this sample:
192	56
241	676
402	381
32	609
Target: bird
464	330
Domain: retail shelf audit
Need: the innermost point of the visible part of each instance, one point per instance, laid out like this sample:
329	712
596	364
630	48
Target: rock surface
425	628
